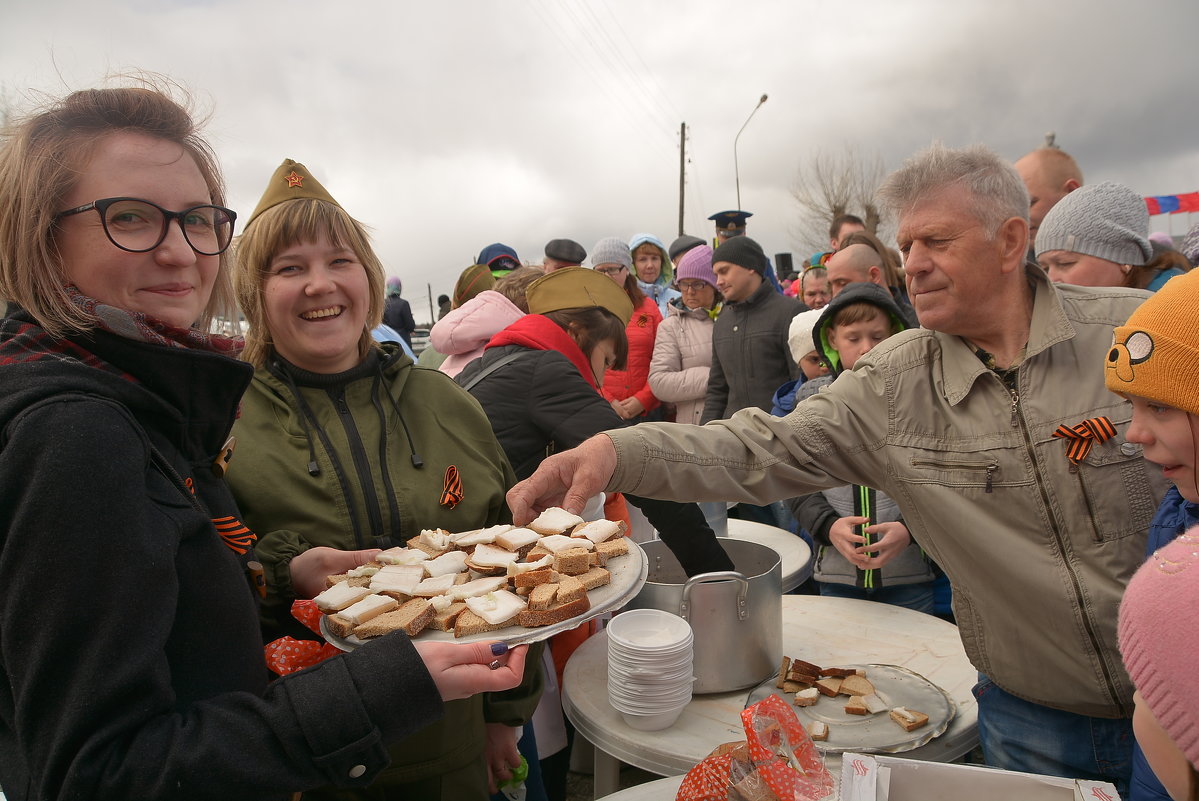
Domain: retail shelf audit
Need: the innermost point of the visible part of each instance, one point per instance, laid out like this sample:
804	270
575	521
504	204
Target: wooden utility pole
682	171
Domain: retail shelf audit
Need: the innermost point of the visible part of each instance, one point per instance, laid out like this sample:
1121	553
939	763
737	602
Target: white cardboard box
875	777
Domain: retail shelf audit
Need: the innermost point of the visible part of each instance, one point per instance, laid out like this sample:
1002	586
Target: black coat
131	664
538	404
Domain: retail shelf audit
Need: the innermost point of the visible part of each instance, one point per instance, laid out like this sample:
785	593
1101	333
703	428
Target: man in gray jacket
977	425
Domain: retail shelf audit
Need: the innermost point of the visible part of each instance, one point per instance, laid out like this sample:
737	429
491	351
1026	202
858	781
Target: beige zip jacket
1038	550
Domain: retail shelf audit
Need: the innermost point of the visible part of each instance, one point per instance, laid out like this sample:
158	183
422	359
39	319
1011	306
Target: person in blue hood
654	271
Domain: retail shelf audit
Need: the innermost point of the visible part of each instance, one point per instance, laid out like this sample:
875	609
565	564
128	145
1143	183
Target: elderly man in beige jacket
972	425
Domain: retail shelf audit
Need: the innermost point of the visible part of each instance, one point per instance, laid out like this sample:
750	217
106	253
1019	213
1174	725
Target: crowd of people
1021	362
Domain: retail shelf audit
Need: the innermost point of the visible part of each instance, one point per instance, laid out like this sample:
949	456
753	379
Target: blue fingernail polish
499	648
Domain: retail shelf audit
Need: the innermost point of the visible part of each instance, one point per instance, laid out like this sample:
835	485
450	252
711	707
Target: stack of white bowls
649	667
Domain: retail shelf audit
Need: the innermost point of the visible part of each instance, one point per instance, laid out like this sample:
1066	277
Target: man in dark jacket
750	357
396	311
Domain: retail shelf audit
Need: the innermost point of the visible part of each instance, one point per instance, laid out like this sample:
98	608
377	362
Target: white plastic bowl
649	630
655	722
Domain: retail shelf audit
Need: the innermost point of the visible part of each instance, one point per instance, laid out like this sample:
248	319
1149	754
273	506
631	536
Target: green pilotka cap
291	181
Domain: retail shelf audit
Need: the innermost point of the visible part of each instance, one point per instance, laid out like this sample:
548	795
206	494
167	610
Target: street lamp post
736	168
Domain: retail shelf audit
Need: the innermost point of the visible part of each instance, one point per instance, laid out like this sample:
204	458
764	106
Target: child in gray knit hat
1097	236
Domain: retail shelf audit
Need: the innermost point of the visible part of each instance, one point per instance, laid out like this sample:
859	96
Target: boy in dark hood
864	550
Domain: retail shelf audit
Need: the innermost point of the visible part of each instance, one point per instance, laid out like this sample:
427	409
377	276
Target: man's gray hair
996	190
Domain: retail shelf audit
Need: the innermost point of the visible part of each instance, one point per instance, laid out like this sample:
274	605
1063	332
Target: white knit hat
799	335
1107	220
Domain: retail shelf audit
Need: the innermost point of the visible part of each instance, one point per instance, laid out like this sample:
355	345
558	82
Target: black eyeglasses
139	226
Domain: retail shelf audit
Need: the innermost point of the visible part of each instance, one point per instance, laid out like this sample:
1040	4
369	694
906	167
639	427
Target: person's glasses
139	226
692	286
610	271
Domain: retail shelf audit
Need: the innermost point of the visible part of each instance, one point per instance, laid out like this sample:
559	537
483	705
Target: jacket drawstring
393	509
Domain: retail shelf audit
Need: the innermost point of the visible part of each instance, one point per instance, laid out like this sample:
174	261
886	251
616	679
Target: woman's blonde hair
42	157
280	227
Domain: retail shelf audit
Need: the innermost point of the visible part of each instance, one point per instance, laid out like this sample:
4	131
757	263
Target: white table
795	554
661	790
821	630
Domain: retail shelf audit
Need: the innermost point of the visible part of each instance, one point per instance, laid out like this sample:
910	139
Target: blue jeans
1019	735
918	597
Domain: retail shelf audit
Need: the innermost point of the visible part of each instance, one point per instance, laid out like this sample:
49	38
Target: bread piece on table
801	675
800	666
570	589
469	623
573	561
830	686
556	614
818	731
792	686
595	577
784	666
444	620
909	719
856	685
600	530
839	672
856	706
542	597
807	696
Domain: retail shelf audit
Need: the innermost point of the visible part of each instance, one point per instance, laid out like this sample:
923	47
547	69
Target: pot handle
706	578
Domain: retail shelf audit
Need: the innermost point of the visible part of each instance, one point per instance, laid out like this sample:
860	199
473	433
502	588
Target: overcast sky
446	126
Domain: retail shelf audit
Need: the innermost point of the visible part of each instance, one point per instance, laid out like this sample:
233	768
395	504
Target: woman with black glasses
131	665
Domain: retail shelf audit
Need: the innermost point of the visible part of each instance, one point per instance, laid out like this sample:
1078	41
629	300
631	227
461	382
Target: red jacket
634	380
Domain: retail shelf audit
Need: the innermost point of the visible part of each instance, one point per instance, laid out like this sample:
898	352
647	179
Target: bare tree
832	183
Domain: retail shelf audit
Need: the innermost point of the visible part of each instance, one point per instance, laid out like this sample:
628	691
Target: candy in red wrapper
288	655
776	761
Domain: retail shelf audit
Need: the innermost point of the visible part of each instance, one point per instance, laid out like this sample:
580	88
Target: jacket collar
960	367
761	293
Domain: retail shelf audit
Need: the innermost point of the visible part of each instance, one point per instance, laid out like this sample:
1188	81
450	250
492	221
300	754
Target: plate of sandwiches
517	584
877	709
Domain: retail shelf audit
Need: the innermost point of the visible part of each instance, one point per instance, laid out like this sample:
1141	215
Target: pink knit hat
696	263
1159	638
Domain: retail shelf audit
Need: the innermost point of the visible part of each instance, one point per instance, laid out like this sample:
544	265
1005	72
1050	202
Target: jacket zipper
362	467
990	467
1075	583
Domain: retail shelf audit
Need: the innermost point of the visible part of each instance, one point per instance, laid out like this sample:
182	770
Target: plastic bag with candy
777	762
288	655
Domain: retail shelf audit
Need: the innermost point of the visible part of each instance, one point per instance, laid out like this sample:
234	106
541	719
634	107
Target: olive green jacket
361	431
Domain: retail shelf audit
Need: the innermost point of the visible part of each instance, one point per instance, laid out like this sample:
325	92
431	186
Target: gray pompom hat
1107	220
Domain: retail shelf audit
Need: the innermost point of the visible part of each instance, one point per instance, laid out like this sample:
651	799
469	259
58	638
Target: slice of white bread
556	614
909	719
555	520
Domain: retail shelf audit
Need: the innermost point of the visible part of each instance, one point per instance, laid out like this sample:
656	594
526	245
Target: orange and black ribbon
234	533
451	491
1083	435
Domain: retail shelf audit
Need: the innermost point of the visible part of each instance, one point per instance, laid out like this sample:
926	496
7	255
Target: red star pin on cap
294	180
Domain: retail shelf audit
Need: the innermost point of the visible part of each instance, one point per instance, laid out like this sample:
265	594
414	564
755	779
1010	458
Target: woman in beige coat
678	371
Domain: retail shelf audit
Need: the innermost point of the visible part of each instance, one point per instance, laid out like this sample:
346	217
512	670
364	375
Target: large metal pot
737	616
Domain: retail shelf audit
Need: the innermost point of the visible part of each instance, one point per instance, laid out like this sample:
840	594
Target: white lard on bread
516	568
480	586
436	538
517	538
402	556
339	596
481	536
555	520
491	556
363	571
368	607
555	543
398	578
438	585
496	607
598	530
449	562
